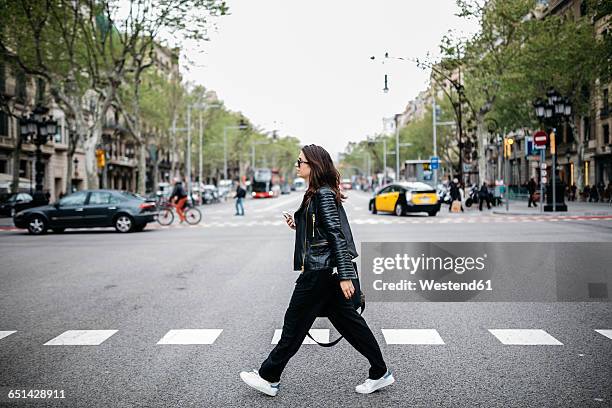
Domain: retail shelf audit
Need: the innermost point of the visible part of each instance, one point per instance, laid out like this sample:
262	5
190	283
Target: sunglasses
299	162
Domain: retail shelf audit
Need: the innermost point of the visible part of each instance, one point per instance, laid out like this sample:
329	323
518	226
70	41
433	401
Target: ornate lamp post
554	110
38	128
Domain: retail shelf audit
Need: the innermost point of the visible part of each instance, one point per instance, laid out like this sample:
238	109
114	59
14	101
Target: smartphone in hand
289	219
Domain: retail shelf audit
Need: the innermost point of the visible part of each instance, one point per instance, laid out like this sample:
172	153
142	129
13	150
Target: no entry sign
540	138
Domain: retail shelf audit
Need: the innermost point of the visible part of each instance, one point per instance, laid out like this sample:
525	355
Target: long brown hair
322	172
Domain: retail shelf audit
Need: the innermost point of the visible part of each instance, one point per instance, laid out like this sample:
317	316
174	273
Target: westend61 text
432	285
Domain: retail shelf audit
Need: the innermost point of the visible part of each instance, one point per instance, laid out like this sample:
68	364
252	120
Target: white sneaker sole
390	380
258	388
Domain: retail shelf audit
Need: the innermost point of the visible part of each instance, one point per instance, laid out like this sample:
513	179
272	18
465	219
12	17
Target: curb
593	214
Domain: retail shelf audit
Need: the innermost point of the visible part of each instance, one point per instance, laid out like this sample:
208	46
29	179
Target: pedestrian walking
319	290
240	195
483	195
574	190
531	188
455	194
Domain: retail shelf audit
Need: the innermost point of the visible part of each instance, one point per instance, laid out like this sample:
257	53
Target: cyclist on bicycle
179	197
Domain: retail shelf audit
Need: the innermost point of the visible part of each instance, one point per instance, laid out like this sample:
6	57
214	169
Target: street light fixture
38	128
562	108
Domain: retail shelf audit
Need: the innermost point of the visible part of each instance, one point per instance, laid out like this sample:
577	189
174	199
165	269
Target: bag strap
333	343
362	307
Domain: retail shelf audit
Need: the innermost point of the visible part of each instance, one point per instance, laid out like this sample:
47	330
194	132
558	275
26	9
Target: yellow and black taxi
403	197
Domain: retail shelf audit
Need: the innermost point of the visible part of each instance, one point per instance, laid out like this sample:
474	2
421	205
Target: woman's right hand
290	222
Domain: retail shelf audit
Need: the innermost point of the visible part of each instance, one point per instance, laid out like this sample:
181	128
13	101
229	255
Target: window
606	134
99	198
587	128
3	166
77	198
4	124
21	91
2	79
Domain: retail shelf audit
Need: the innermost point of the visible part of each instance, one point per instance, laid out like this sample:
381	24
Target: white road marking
191	336
412	336
605	332
6	333
81	338
525	337
321	335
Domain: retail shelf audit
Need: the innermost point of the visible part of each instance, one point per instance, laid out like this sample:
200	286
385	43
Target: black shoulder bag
358	300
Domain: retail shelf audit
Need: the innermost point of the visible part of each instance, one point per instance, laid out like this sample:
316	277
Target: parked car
224	187
210	194
123	210
402	197
15	203
285	188
346	184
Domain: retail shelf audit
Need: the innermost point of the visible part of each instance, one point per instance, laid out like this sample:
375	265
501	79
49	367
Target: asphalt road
233	277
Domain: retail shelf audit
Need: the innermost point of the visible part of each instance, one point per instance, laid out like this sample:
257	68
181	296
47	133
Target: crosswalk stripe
5	333
412	336
525	337
321	335
190	336
81	338
605	332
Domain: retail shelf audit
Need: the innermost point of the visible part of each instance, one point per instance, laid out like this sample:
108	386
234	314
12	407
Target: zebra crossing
401	336
485	219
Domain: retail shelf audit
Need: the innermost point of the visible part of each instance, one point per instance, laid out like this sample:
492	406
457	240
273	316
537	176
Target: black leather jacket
323	237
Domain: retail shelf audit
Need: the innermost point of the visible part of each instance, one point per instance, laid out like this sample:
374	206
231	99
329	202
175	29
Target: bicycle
166	215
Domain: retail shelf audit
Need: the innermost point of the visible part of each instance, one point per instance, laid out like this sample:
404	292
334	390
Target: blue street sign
435	163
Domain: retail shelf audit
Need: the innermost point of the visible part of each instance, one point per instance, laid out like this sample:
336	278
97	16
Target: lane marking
605	332
190	336
525	337
321	335
81	338
6	333
412	336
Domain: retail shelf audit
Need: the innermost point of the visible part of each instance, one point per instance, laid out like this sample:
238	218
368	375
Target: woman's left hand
347	288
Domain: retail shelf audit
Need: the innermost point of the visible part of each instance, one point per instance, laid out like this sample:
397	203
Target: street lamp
38	128
557	109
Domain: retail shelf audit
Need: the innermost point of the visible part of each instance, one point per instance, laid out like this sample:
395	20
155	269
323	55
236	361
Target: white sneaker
253	379
369	386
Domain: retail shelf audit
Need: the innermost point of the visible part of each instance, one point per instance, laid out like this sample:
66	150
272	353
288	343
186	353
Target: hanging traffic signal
100	158
508	142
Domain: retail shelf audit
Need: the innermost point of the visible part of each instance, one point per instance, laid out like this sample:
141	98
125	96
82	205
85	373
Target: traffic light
100	158
508	142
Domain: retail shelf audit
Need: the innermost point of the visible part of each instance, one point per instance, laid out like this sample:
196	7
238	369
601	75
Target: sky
304	67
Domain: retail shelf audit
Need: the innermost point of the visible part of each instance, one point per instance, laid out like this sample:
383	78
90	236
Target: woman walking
323	241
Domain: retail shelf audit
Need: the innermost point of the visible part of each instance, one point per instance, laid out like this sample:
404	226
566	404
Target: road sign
435	163
544	180
540	138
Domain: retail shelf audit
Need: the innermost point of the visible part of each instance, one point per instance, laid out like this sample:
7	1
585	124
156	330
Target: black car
125	211
15	203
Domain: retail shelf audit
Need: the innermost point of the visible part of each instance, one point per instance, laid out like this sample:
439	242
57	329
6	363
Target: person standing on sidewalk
321	221
531	188
483	195
240	195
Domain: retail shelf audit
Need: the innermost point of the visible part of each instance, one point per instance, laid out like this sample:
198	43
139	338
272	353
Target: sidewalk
574	208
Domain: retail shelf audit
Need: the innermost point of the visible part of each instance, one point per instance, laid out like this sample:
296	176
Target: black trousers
314	291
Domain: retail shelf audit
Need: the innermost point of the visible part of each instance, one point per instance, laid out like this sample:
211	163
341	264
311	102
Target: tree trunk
481	136
90	143
580	146
16	162
142	168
